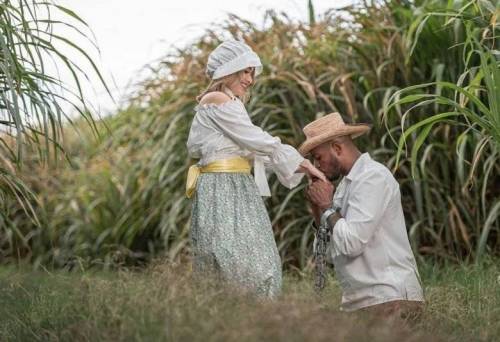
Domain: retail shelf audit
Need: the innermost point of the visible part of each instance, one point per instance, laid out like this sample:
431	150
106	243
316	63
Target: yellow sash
238	164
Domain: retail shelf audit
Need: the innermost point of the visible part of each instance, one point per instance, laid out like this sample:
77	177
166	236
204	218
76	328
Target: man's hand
315	210
320	194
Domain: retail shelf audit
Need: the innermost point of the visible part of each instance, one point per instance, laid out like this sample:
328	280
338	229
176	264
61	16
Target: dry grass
164	302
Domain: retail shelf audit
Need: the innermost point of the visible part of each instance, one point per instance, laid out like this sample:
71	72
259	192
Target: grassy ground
163	303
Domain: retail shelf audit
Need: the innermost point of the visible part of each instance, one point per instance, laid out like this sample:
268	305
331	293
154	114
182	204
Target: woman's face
241	82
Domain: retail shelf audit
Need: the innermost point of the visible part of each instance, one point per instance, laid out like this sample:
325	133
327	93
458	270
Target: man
366	233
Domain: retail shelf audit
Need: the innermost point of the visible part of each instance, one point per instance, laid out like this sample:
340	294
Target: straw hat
328	128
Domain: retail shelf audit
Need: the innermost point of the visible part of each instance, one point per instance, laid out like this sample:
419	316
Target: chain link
320	259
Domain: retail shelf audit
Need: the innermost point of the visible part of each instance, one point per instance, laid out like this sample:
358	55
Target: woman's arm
232	119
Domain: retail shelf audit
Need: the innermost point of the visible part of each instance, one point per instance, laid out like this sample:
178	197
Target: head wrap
232	56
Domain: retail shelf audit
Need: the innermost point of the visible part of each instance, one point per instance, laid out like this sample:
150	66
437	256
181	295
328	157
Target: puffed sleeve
232	119
290	181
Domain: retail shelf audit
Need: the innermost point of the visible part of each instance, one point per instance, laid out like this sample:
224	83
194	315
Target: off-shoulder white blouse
222	131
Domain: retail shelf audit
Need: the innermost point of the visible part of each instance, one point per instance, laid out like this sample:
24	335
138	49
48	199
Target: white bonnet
232	56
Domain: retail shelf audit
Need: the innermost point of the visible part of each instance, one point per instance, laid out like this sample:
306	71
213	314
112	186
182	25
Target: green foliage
31	105
470	107
423	73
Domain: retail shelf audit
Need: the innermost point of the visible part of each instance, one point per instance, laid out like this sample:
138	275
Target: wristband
326	214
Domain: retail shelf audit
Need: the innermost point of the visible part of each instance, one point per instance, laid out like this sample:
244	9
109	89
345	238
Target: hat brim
353	130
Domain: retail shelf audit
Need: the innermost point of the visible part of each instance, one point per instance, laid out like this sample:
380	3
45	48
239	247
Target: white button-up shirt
369	246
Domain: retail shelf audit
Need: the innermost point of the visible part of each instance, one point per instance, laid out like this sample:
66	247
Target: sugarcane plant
35	104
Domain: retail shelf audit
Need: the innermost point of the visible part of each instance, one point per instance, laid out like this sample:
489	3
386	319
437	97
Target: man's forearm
316	213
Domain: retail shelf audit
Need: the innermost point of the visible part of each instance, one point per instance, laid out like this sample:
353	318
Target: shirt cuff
286	160
292	181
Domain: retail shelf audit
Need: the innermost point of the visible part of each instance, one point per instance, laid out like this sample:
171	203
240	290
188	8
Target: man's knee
406	310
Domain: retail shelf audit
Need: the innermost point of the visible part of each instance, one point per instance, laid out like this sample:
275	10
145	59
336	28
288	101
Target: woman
231	232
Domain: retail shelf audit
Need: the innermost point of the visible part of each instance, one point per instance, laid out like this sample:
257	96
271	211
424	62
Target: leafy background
425	74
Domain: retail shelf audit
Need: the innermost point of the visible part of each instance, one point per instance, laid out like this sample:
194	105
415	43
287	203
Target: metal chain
320	259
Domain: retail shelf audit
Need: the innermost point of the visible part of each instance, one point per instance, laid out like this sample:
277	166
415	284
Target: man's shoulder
376	172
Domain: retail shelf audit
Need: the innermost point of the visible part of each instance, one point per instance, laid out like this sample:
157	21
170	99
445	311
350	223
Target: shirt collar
357	168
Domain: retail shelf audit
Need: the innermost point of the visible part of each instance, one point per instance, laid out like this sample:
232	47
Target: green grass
163	302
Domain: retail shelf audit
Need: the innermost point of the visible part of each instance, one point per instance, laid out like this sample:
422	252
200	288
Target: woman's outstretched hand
310	170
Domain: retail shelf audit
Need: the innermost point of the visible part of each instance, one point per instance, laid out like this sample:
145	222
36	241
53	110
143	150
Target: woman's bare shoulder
215	97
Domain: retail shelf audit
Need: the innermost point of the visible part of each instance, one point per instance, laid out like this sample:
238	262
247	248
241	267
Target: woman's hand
310	170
